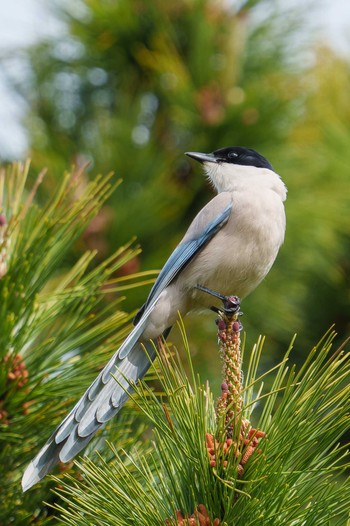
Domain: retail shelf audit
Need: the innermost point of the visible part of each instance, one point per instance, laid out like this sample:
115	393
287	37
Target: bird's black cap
233	155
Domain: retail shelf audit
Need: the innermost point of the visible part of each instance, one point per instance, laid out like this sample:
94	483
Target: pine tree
131	86
56	326
257	455
206	465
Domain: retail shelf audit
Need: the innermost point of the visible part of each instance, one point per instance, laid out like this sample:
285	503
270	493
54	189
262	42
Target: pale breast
240	255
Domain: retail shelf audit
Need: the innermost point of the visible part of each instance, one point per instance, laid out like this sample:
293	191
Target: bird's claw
231	304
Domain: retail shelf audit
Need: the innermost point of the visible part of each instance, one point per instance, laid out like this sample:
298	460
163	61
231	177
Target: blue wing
182	255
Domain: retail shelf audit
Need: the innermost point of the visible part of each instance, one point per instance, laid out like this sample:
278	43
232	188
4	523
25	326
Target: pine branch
296	475
57	327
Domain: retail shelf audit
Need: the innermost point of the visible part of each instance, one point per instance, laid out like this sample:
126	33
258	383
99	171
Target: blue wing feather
182	255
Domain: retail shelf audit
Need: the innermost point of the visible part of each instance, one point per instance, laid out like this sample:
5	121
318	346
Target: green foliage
131	85
295	480
56	327
135	84
318	220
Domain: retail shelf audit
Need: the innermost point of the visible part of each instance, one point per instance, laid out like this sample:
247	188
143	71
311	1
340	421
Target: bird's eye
231	155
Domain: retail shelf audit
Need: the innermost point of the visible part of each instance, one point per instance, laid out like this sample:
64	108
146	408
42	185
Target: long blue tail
102	400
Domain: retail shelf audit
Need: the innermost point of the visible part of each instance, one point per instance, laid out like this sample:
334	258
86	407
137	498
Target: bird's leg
231	303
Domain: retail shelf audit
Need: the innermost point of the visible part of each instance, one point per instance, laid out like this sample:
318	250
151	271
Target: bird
229	247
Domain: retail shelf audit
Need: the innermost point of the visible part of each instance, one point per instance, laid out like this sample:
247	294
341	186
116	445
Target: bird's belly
230	265
237	279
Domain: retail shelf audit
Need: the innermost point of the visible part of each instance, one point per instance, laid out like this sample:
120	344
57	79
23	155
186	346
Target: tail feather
42	464
102	400
63	432
73	445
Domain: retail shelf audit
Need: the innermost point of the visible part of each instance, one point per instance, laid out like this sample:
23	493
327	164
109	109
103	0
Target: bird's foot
231	304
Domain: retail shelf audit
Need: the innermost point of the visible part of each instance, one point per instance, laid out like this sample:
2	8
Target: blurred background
130	85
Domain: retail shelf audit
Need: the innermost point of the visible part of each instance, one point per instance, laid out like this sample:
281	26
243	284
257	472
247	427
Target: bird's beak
202	157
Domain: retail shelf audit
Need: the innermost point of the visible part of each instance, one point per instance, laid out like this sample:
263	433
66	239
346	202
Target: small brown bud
221	325
248	453
179	516
240	470
236	326
260	434
209	439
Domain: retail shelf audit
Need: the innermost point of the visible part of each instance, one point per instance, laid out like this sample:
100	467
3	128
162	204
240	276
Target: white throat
227	177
